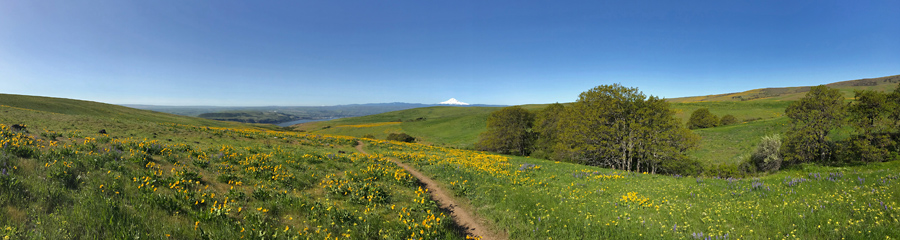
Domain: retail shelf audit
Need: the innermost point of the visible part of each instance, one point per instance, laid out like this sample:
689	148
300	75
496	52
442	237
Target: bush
767	156
369	136
402	137
727	120
702	118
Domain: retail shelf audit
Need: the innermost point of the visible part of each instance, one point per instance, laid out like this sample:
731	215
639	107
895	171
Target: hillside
96	109
153	176
442	125
61	179
883	84
460	127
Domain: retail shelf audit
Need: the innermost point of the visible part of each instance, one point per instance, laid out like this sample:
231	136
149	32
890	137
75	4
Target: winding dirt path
461	216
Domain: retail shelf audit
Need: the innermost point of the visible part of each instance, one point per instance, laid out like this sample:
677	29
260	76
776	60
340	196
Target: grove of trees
610	125
621	128
873	117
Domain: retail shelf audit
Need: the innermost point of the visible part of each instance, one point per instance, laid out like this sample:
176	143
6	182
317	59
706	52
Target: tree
509	130
618	127
702	118
869	111
812	118
727	120
894	107
546	127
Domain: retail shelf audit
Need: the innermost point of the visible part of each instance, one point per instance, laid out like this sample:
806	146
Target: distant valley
287	115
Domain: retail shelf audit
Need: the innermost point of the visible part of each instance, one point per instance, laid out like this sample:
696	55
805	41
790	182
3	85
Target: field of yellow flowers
60	178
539	199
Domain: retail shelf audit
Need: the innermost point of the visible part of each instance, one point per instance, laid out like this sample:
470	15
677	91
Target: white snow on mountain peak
453	101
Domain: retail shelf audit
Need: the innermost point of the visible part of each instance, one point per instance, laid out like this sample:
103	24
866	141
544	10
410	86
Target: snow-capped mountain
453	101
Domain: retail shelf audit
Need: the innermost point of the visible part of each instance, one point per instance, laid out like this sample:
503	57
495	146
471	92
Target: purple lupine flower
675	227
4	172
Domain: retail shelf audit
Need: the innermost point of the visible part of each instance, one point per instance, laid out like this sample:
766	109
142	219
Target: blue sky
247	53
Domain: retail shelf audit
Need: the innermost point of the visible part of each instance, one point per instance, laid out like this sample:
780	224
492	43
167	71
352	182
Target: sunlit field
539	199
61	179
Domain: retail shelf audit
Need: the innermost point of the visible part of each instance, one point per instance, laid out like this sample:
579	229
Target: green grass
883	84
96	109
540	199
445	126
169	180
731	145
149	178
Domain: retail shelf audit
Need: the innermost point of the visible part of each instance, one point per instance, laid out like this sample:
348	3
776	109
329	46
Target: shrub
727	120
369	136
402	137
702	118
767	156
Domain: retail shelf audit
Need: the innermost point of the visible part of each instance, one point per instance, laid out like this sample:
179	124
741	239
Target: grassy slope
554	200
883	84
451	126
88	108
63	180
459	127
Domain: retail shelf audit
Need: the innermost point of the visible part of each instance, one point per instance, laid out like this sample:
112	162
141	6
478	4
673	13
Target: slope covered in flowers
61	178
539	199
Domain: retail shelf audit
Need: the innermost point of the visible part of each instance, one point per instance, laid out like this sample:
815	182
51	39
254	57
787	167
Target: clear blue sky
490	52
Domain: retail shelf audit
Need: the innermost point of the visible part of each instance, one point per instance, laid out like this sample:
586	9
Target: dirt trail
462	217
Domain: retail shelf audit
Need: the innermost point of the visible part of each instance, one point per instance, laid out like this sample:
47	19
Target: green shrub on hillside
727	120
402	137
702	118
767	155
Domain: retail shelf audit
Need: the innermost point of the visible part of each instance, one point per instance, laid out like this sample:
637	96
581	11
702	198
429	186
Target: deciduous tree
547	128
812	118
509	130
619	127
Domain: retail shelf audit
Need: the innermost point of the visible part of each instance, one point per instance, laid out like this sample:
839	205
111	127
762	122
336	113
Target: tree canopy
548	130
619	127
812	118
508	131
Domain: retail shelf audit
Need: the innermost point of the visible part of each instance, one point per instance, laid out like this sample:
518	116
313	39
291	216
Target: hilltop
97	109
882	84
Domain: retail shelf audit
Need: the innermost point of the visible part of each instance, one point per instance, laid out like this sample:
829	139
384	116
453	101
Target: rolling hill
149	177
459	127
96	109
882	84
